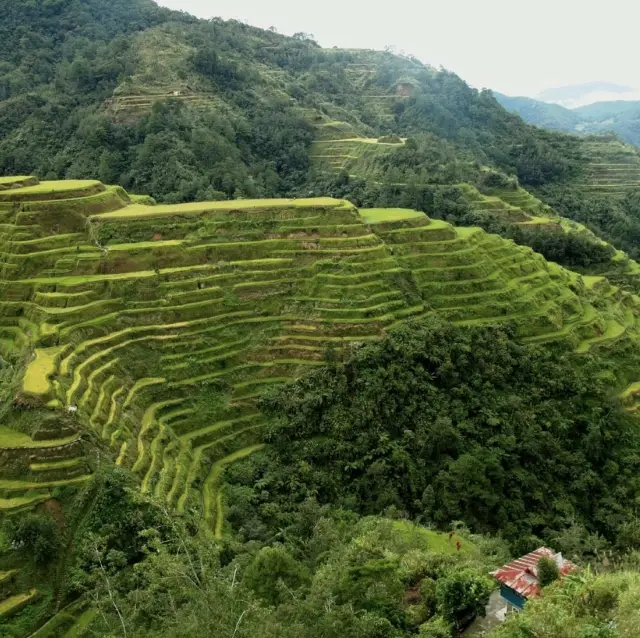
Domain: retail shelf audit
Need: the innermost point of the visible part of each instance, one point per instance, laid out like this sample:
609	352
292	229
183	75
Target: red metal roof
521	575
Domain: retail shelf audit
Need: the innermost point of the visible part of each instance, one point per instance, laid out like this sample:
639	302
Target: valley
303	342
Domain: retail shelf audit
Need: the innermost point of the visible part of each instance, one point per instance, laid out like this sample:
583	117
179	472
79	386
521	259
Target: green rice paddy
162	339
377	215
242	295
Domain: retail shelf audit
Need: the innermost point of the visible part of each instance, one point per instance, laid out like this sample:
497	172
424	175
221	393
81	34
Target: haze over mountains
577	95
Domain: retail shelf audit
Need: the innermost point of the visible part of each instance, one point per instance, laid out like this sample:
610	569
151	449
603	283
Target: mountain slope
226	299
577	95
294	183
538	113
85	110
621	117
186	109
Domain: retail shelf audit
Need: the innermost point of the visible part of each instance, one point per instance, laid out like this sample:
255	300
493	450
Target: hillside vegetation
150	332
362	337
621	117
185	110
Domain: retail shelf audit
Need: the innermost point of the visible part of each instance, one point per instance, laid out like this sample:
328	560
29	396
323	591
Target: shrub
462	595
37	534
273	572
494	179
435	628
548	571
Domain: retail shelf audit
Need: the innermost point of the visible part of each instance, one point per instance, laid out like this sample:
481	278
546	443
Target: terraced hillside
155	329
521	208
347	154
613	168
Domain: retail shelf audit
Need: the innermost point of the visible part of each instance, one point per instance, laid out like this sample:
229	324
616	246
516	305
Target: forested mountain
185	109
577	95
397	345
247	101
543	114
621	117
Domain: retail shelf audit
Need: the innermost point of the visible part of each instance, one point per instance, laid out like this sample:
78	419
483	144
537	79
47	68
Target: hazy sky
508	45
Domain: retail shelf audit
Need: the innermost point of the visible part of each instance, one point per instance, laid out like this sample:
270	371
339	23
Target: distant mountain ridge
577	95
619	116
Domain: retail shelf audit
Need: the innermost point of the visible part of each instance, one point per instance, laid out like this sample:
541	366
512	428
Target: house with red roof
519	579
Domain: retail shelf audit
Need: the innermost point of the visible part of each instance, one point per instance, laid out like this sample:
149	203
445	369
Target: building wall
512	597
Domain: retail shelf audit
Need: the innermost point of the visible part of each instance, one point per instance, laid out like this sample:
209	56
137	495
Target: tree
274	573
548	571
37	534
205	61
463	595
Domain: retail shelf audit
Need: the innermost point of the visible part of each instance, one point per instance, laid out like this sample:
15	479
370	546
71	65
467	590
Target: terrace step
13	604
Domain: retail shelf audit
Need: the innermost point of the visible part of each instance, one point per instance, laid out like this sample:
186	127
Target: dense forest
400	474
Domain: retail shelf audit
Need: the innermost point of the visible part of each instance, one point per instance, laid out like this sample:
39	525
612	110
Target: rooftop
521	575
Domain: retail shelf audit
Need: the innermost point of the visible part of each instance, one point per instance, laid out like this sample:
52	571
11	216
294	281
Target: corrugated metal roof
521	575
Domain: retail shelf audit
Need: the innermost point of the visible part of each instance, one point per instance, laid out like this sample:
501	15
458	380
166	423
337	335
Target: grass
14	180
59	186
82	624
148	421
50	189
57	465
5	576
17	486
139	211
36	378
220	425
631	390
7	504
15	603
352	154
613	331
146	244
13	439
215	517
379	215
436	542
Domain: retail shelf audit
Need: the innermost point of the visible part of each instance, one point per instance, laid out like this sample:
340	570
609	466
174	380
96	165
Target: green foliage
616	220
37	534
274	575
495	180
456	410
462	595
111	536
573	250
332	575
435	424
584	605
435	628
548	571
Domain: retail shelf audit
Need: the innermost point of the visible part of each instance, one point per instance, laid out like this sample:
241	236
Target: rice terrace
303	341
156	328
151	331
